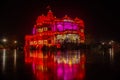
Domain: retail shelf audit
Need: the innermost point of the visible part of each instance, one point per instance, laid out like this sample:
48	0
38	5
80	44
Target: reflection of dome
67	59
58	66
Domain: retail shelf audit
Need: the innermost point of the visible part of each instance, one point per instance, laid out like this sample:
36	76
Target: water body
60	65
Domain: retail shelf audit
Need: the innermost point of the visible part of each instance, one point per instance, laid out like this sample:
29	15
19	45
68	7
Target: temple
52	31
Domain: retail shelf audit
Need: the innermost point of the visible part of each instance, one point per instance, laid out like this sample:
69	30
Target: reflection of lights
60	71
111	50
4	58
64	61
70	62
67	60
111	53
64	67
15	58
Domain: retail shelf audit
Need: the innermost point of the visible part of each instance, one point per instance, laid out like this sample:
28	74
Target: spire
50	13
77	19
48	7
66	17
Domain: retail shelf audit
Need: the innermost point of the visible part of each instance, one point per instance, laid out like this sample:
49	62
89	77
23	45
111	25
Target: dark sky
100	17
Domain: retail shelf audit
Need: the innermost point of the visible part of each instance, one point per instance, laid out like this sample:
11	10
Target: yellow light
15	41
4	40
70	62
31	43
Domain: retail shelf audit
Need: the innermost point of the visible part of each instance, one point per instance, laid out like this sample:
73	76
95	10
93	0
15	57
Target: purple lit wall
75	27
67	26
33	31
62	26
59	27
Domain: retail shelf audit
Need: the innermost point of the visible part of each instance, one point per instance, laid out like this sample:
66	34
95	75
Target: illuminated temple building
52	31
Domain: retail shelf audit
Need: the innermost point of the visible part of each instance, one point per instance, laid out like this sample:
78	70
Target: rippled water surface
60	65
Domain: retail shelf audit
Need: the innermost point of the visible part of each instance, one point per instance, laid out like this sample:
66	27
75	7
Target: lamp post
15	43
4	41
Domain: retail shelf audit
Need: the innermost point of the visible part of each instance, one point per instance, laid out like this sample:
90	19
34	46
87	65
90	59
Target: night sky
101	17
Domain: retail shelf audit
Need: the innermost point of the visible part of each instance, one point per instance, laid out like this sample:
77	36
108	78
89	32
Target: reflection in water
8	58
111	53
15	58
4	59
68	65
